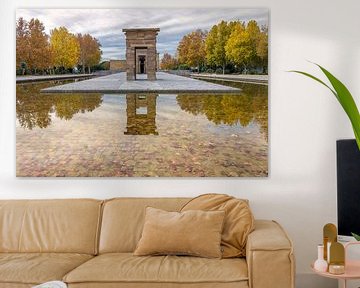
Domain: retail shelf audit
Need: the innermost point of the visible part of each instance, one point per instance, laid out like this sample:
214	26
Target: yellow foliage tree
215	44
240	47
65	48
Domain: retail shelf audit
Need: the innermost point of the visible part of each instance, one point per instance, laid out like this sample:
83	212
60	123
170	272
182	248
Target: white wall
305	121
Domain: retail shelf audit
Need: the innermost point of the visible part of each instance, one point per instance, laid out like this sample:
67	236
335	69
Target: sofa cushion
126	268
63	226
123	220
238	223
36	268
193	232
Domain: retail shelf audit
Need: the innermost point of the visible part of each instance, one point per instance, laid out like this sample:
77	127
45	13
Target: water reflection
34	109
141	114
228	109
196	135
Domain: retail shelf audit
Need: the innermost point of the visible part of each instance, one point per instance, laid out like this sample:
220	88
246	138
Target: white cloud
107	24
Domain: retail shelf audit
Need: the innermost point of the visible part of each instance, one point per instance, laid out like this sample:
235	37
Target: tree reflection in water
229	109
34	109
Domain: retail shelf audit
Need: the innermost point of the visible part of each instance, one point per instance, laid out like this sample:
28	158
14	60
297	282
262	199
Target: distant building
118	65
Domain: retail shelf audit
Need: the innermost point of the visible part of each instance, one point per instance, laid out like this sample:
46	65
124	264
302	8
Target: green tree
191	49
65	48
90	52
215	44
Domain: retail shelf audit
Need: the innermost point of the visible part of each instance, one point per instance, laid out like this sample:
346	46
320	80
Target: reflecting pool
147	134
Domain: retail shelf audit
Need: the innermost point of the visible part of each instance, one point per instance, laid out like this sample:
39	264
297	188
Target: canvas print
142	92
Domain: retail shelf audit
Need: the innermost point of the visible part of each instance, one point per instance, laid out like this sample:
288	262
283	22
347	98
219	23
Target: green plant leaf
346	100
316	79
356	236
344	97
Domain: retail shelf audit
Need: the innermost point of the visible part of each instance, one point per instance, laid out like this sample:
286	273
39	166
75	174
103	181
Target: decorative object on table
344	97
52	284
329	236
337	258
320	264
350	270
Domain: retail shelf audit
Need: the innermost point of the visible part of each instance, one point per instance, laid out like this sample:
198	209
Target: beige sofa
89	243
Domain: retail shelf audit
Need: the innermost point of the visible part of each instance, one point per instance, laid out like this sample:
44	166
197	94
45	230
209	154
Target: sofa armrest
269	255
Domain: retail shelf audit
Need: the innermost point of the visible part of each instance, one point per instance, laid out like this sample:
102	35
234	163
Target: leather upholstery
125	268
35	227
37	268
269	255
239	220
64	226
123	220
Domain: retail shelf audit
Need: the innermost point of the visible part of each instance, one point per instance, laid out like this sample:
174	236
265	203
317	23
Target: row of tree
38	52
233	46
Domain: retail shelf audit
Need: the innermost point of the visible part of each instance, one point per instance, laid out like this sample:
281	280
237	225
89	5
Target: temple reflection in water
141	114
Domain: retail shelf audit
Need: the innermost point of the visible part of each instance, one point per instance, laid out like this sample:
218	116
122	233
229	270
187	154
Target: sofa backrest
67	226
123	220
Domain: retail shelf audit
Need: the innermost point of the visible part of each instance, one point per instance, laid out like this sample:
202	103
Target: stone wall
118	65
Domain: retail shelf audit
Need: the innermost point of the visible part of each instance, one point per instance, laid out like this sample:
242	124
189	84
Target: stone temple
141	56
141	60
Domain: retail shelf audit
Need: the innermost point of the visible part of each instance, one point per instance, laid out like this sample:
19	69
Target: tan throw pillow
196	233
238	224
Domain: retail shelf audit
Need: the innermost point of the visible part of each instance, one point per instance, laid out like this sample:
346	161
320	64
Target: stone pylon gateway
141	52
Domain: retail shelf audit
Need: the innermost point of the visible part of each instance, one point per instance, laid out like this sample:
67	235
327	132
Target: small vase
320	264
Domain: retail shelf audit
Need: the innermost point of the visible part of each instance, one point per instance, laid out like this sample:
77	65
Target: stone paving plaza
165	83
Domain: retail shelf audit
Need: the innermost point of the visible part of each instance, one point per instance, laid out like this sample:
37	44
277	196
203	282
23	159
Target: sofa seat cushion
36	268
127	268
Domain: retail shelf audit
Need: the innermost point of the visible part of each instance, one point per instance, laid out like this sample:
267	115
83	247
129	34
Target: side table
352	268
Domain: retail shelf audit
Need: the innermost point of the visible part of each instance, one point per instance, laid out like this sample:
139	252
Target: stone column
130	62
151	63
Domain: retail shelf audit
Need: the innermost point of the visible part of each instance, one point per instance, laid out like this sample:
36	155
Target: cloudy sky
107	24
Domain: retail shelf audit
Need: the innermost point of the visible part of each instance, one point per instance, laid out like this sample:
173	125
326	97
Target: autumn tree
247	46
215	44
65	48
40	54
239	47
168	62
22	43
32	45
262	48
90	52
191	49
